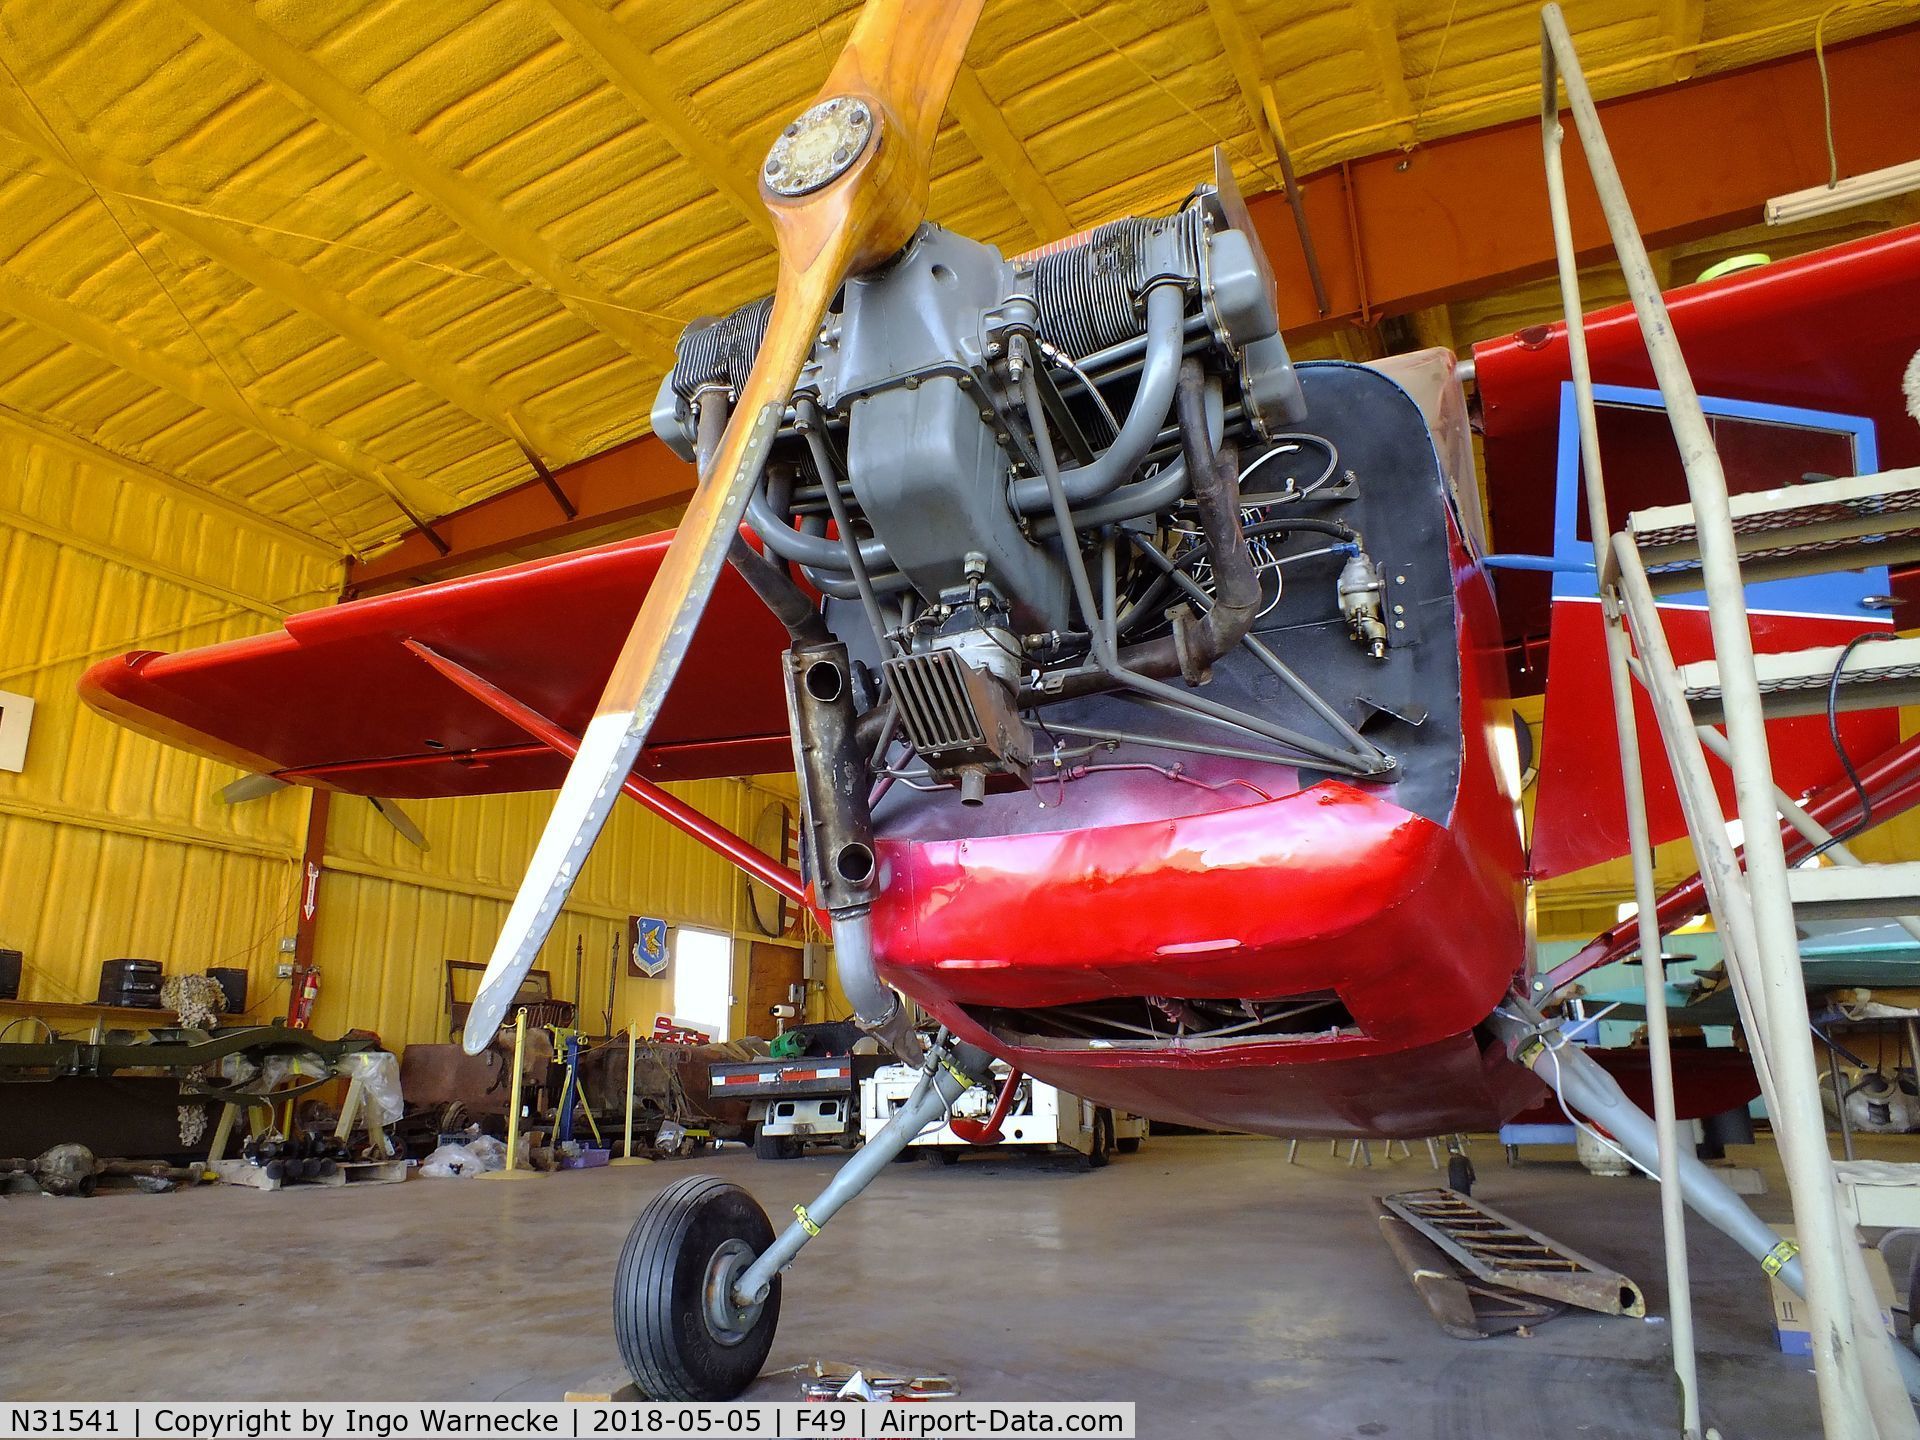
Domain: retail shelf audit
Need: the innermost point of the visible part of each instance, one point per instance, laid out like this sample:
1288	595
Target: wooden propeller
845	186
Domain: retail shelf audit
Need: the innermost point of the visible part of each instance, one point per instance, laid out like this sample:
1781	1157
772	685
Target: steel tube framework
1859	1385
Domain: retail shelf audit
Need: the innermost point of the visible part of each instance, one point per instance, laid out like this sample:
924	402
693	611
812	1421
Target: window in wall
702	980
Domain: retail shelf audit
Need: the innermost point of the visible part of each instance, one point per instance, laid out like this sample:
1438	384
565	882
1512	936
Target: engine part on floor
1466	1307
835	1381
1502	1252
157	1170
61	1170
75	1170
308	1155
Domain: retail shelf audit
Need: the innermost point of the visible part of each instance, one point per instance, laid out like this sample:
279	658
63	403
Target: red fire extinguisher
306	989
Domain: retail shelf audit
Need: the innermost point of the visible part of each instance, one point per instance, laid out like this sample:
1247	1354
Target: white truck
796	1101
1041	1117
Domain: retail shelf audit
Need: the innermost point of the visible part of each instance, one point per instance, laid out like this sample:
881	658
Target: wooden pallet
349	1172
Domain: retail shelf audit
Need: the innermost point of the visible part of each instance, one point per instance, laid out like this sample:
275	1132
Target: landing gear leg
697	1293
1586	1087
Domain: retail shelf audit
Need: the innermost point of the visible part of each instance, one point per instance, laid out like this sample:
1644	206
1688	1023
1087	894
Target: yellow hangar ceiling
340	263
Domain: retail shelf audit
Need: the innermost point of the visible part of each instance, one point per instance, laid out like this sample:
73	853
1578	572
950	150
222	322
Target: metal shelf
1795	682
1811	529
1855	891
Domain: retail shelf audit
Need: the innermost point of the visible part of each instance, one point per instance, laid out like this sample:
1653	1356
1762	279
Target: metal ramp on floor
1502	1252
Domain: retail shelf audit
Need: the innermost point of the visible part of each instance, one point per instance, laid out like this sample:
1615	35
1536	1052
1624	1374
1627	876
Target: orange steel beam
618	484
1460	216
1467	215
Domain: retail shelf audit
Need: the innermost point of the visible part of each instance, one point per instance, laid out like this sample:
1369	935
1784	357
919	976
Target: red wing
1832	331
336	699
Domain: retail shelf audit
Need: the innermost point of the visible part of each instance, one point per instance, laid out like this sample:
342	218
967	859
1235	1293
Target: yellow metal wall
109	843
112	844
391	915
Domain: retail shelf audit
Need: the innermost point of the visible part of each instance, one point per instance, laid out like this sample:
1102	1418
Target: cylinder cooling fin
1086	293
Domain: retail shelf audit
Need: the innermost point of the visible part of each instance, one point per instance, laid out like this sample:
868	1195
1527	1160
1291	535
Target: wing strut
676	812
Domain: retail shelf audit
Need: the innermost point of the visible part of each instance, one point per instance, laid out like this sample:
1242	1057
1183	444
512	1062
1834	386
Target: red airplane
1147	691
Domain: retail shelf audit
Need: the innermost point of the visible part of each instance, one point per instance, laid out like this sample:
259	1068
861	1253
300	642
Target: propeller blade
401	821
845	187
250	787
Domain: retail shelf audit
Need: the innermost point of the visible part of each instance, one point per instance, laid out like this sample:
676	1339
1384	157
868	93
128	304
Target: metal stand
351	1114
513	1170
627	1157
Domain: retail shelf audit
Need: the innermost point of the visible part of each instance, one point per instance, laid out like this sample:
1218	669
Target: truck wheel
679	1332
1128	1145
1460	1176
1101	1154
774	1147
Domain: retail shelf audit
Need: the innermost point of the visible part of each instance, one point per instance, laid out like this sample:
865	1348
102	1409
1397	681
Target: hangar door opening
702	980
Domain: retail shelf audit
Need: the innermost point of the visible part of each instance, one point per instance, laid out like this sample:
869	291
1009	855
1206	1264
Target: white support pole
1653	971
1859	1393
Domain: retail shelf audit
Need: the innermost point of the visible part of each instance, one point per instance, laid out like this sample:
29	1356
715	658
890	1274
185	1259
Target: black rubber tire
1129	1145
774	1147
1101	1155
659	1318
1460	1176
939	1155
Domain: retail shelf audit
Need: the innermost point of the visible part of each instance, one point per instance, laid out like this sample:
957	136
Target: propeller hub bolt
820	146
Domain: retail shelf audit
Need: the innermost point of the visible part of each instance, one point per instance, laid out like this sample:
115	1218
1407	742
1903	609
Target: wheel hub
729	1321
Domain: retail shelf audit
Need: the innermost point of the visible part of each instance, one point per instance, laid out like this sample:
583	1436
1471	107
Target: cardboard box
1790	1331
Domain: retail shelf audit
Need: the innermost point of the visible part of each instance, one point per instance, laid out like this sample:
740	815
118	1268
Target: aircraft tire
675	1349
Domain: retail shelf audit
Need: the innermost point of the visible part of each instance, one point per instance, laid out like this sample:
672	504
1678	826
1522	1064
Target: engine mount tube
1199	638
1166	312
1202	636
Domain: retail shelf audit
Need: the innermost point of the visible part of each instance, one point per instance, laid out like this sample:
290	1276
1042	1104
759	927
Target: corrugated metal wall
111	844
392	915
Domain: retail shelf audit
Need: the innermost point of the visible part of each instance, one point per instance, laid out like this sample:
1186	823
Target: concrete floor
1203	1278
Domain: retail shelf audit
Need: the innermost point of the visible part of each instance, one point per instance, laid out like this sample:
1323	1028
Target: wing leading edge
342	698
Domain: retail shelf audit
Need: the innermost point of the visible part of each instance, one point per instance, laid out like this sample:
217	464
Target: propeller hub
819	147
